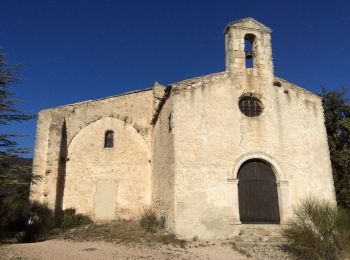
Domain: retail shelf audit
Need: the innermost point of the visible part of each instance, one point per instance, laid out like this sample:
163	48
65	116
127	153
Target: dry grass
320	231
121	231
150	222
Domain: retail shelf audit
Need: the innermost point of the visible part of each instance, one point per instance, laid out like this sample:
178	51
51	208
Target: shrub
32	221
320	230
40	221
150	222
68	218
13	215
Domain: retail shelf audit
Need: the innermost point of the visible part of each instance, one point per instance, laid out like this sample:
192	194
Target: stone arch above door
276	167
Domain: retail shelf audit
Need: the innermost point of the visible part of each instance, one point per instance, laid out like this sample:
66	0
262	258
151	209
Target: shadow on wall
61	178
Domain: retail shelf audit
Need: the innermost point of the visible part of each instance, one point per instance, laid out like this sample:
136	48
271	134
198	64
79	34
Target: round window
250	106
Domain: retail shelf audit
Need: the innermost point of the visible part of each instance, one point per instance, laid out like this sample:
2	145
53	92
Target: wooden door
257	193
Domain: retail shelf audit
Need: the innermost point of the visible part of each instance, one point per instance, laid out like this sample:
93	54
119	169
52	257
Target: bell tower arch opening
249	46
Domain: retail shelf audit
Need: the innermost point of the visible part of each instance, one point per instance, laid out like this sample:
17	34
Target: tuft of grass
240	250
68	218
320	230
150	222
121	231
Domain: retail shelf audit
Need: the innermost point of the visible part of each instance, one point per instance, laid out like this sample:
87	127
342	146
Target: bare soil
118	240
66	249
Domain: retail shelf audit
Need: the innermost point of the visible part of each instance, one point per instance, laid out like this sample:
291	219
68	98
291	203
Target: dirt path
65	249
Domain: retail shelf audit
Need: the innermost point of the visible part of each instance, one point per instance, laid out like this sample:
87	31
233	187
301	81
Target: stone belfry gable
248	23
238	35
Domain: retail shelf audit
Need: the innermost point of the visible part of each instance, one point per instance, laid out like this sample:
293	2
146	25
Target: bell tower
248	48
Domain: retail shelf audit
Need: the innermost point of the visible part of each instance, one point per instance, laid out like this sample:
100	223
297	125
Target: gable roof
248	23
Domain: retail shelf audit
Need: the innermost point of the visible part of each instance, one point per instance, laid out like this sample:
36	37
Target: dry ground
118	240
66	249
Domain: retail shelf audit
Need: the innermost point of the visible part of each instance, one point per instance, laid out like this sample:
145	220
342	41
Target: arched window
249	40
109	139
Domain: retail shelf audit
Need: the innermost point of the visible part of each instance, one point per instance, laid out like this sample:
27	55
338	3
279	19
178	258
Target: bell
249	55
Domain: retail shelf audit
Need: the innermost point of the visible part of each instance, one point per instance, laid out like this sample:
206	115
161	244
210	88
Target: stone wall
86	162
163	163
215	138
126	164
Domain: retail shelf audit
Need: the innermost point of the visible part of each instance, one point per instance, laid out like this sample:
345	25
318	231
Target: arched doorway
257	193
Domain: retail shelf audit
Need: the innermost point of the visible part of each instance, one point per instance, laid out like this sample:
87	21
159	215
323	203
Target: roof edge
195	79
236	24
301	89
100	99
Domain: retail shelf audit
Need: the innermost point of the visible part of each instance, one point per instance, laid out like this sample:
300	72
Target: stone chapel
209	154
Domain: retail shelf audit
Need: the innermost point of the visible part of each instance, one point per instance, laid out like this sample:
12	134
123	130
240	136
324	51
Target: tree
13	170
337	119
8	111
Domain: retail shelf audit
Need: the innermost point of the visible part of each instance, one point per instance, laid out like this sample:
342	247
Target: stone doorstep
259	237
245	244
259	234
259	229
261	242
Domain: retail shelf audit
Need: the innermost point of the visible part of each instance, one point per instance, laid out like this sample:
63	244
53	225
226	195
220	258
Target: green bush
40	220
150	222
32	221
68	218
19	216
320	230
13	215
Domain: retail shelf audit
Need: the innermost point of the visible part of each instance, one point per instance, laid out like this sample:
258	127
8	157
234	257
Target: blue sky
75	50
